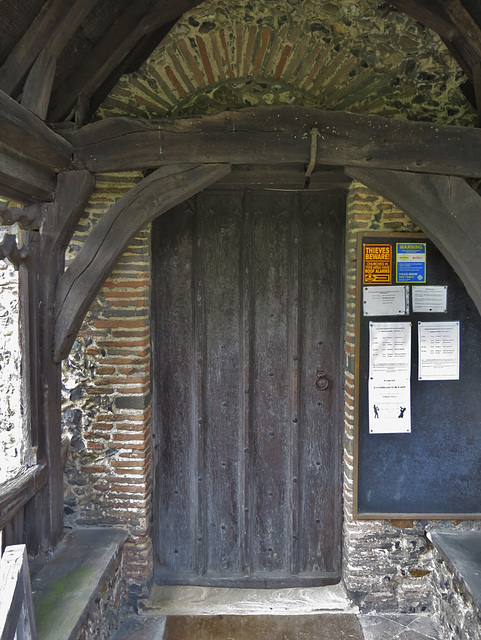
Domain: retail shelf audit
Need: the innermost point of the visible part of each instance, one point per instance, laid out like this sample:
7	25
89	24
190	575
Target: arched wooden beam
446	208
156	194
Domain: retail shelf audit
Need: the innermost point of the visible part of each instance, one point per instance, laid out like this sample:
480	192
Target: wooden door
247	306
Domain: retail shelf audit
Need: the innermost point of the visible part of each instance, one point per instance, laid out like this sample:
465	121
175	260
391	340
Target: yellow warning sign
377	264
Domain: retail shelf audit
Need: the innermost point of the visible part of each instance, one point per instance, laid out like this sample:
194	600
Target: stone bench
457	583
77	594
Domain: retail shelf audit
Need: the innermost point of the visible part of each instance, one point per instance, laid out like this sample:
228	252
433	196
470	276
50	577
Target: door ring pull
321	382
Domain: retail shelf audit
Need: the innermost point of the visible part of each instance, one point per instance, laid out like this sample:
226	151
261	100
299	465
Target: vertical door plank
175	420
220	222
271	424
320	411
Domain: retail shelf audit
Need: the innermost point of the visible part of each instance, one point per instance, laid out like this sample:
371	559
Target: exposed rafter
278	136
38	86
429	13
456	26
53	28
465	25
137	22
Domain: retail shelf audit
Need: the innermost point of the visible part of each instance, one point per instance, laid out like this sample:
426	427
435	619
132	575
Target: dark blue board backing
436	469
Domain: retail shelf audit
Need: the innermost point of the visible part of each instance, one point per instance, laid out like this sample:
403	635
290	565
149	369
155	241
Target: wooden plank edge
15	493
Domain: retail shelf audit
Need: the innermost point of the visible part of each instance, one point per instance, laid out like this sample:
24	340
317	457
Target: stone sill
461	551
65	589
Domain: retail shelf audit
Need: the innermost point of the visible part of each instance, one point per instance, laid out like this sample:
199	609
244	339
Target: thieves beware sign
377	264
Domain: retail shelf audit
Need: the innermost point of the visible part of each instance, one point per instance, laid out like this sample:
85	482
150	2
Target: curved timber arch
393	157
156	194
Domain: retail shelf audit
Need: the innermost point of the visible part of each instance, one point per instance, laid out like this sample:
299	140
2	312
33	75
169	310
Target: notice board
431	467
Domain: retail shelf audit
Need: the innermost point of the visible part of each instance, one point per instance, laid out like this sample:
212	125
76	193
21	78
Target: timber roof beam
24	181
23	131
278	135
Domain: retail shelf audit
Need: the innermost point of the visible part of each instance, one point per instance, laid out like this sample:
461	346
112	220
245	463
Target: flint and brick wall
107	409
455	611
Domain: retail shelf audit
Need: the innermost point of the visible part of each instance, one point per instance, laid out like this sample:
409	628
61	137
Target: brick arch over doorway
107	379
357	56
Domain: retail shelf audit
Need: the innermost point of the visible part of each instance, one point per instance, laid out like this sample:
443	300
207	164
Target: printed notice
376	264
389	406
390	348
439	350
411	262
386	301
430	299
389	377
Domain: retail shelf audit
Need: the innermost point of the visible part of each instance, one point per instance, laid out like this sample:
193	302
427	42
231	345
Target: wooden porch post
45	515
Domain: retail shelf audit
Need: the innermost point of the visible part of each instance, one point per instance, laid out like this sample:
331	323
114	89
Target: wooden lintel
20	129
24	181
137	21
282	178
278	135
446	208
151	197
38	86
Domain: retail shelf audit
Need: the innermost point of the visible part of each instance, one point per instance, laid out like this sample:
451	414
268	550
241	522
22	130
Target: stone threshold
200	601
65	589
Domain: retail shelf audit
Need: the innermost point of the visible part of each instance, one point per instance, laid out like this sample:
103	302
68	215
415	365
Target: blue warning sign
411	262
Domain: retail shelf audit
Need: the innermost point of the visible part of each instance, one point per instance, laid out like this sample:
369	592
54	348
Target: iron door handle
322	382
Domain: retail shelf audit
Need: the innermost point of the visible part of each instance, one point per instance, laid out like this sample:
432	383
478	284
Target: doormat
312	627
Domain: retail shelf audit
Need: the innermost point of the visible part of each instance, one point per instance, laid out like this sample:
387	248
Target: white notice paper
390	348
385	301
430	299
390	377
438	350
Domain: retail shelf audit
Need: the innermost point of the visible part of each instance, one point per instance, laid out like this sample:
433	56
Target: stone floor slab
398	627
311	627
141	628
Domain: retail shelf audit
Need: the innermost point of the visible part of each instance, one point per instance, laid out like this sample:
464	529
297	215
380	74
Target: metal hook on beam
312	161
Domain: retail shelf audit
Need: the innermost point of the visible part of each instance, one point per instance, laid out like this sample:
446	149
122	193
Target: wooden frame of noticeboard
434	471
